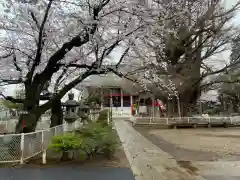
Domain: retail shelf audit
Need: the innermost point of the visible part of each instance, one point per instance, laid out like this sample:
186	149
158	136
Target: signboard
23	112
142	109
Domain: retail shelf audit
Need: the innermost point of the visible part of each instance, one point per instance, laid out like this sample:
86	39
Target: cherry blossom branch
82	66
35	19
11	99
10	81
207	85
17	49
16	64
40	39
122	57
76	41
6	55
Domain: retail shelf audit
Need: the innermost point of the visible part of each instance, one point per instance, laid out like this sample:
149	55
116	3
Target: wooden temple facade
121	96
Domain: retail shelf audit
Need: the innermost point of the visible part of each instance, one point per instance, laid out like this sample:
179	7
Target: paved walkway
148	162
66	173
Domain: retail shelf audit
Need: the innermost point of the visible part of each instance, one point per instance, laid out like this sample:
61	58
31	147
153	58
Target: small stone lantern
71	109
84	113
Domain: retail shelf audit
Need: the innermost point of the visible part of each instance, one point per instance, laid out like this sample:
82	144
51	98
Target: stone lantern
84	112
71	109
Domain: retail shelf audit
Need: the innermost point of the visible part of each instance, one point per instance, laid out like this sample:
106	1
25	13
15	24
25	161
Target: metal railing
185	120
16	148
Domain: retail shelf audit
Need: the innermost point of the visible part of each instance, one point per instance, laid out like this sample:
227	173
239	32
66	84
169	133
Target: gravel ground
197	144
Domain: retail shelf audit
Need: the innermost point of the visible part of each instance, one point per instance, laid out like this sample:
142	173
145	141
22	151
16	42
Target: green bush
109	145
94	130
103	117
65	143
98	139
93	139
89	147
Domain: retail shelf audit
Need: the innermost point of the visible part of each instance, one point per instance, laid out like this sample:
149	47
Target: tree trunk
27	123
28	119
172	107
57	113
187	102
235	106
65	156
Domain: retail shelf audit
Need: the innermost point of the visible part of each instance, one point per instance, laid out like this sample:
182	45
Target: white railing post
6	124
22	148
43	150
55	130
108	118
231	120
167	121
188	120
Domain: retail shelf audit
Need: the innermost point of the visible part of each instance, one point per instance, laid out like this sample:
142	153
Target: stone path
148	162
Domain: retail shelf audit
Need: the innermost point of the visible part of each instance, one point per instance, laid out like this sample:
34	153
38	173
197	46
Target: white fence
20	147
189	120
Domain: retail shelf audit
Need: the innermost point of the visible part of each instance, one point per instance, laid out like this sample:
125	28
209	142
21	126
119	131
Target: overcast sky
10	90
212	95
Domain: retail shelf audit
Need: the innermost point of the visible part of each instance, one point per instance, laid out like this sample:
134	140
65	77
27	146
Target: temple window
126	101
116	101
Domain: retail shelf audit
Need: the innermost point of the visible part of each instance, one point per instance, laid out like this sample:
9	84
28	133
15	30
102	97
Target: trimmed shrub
93	139
103	117
109	145
94	130
65	143
98	139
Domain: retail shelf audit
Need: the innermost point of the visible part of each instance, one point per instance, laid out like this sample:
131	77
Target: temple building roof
111	80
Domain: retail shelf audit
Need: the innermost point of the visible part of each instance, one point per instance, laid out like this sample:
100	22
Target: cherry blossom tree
61	41
180	53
